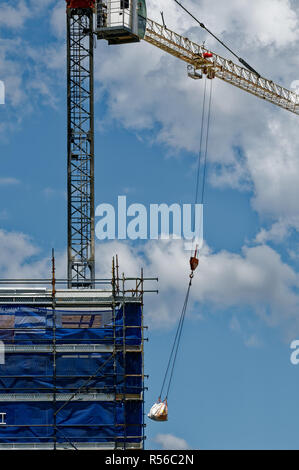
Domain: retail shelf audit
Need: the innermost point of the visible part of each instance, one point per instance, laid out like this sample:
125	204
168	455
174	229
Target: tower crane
122	22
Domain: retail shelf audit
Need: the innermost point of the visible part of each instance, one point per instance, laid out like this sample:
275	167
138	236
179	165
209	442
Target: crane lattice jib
225	69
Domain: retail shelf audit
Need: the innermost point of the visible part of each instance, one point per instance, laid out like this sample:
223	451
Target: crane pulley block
193	263
194	260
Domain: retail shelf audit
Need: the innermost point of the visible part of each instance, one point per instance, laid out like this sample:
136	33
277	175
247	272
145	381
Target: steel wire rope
177	339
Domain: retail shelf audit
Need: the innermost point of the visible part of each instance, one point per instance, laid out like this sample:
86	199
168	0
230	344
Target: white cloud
279	231
274	167
9	181
58	19
258	22
40	6
16	248
233	175
30	71
11	72
170	442
294	254
253	145
256	279
20	258
14	16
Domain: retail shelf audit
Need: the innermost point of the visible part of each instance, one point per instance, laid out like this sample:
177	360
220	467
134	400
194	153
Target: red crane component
207	55
194	261
80	3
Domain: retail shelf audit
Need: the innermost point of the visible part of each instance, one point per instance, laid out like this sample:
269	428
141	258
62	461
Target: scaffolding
73	374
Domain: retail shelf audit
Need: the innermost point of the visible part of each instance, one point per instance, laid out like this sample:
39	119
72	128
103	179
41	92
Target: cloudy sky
234	385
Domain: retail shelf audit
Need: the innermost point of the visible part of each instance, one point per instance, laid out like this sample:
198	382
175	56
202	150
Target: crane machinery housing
73	377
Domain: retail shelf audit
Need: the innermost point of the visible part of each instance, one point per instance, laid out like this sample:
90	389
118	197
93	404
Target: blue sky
234	385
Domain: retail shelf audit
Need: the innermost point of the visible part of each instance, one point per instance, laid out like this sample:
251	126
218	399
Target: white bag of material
159	411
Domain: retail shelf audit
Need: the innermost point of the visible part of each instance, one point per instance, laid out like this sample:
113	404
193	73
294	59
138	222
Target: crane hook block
194	260
193	263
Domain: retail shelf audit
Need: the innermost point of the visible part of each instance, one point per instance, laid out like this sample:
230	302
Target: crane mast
80	144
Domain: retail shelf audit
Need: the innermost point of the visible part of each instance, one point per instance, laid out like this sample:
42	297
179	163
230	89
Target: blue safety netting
33	372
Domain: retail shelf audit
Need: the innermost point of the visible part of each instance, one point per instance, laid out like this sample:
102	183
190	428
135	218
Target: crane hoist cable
175	346
206	145
242	61
201	153
200	144
193	259
159	411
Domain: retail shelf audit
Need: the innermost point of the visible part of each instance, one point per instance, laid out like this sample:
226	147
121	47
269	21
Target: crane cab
121	21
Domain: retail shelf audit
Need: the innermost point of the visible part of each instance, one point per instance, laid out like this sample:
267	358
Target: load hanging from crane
159	411
121	21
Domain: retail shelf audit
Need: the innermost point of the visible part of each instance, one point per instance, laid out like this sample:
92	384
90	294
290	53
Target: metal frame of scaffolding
114	387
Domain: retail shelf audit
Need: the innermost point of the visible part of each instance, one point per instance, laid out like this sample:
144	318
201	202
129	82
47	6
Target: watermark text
158	221
295	354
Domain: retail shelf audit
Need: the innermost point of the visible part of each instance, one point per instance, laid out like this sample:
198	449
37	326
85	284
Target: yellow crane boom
196	56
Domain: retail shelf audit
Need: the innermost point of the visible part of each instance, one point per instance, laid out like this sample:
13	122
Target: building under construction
73	373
